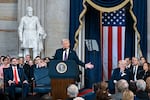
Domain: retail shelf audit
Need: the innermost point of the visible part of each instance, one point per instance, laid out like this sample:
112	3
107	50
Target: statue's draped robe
31	33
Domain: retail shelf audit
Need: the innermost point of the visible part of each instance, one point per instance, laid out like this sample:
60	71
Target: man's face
143	60
30	12
14	62
127	61
37	60
28	58
21	61
66	44
135	61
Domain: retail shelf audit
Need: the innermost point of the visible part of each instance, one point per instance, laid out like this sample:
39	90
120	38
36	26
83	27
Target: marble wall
53	15
57	18
8	28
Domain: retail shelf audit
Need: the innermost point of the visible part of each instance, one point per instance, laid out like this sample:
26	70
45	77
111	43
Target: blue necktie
65	56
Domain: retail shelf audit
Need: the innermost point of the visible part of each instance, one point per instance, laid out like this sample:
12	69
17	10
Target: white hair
29	8
64	40
78	98
141	84
122	85
72	90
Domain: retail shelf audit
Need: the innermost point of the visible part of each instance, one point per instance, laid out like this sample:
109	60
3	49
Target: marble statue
31	34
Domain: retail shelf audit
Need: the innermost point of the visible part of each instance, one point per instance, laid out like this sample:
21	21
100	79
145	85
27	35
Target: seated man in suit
119	73
16	78
135	70
66	53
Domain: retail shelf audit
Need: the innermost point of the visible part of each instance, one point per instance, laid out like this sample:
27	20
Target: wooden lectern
62	74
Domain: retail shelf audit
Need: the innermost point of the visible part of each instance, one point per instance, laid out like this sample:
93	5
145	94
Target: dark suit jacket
117	76
140	68
9	74
28	70
141	95
143	75
71	56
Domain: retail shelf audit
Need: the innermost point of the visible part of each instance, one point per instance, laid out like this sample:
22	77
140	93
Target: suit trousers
24	86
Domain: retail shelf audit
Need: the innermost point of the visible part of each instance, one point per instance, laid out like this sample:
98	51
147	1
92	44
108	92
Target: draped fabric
129	35
108	3
92	31
136	21
140	11
75	10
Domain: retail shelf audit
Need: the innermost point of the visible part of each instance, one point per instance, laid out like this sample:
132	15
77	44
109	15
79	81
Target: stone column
8	28
57	24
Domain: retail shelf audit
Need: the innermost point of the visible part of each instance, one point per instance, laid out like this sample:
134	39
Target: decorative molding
8	1
6	18
4	30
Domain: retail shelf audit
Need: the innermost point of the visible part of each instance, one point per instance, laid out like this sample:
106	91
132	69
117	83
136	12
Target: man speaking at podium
66	53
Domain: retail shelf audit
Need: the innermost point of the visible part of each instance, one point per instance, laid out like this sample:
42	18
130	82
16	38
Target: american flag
113	40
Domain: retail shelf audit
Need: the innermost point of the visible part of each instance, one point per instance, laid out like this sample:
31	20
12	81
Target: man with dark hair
15	77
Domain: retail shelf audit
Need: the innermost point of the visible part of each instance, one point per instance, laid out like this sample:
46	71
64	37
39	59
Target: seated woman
5	64
145	72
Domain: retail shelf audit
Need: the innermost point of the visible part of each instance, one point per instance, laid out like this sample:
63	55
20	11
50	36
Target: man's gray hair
121	85
72	90
141	84
64	40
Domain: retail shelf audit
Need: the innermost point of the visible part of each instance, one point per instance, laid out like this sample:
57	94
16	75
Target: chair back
41	77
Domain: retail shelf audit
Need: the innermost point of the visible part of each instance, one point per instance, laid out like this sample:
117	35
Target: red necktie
15	75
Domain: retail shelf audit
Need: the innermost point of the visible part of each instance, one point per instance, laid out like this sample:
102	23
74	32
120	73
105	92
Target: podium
62	74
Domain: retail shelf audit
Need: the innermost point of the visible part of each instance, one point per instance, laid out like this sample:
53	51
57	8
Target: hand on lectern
89	65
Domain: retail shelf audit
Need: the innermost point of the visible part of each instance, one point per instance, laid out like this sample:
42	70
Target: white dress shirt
67	52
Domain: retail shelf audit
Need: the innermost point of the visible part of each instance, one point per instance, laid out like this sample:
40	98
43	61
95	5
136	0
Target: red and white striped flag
113	40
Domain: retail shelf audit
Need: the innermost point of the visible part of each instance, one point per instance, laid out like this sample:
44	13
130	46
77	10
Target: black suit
71	56
22	77
29	71
143	75
141	95
139	69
